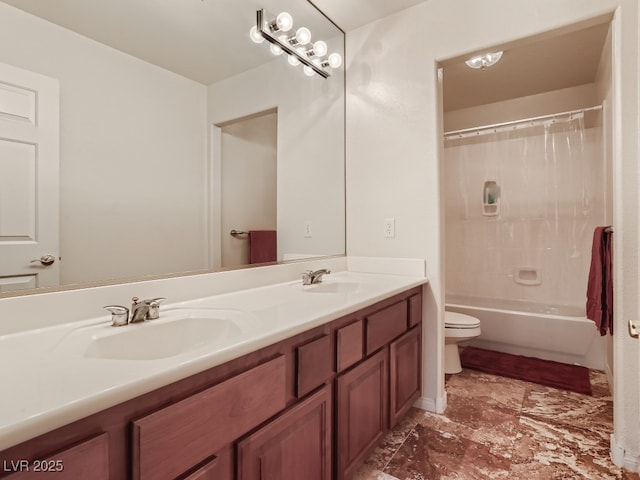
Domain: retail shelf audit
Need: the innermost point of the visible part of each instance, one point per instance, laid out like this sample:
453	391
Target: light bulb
308	71
484	61
293	60
275	49
334	60
255	35
284	21
320	48
303	36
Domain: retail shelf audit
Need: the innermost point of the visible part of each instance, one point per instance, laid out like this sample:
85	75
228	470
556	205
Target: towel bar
237	233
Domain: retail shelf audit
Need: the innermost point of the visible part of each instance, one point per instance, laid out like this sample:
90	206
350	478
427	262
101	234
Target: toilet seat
460	320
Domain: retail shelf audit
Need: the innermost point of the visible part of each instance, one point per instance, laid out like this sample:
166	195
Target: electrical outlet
307	229
389	227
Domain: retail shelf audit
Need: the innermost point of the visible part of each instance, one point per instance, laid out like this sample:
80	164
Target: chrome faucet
311	277
140	311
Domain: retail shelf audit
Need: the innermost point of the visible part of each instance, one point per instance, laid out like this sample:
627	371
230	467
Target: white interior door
29	150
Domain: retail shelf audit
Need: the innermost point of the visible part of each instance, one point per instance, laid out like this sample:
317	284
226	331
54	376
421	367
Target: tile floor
496	427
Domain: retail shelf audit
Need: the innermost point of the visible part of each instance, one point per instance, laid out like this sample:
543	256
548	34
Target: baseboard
622	458
435	405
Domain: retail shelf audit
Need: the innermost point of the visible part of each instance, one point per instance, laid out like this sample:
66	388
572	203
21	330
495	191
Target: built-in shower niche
490	199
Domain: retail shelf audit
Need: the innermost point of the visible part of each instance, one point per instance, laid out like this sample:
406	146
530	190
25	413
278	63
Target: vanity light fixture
313	58
484	61
302	37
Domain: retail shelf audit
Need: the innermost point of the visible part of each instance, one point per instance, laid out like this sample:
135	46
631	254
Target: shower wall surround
551	182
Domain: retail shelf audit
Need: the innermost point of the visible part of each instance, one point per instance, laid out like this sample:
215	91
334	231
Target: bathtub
559	333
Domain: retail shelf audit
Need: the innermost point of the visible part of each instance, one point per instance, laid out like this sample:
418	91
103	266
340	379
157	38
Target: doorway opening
527	161
248	190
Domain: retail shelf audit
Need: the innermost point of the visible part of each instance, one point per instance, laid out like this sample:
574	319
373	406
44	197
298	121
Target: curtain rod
467	132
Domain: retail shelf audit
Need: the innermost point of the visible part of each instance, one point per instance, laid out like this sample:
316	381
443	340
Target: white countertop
49	380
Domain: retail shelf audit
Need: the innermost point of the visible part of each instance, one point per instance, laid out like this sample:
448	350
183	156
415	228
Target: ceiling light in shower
314	58
484	61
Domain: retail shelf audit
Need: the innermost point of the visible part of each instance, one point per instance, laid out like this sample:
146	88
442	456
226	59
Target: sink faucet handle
119	315
154	307
307	277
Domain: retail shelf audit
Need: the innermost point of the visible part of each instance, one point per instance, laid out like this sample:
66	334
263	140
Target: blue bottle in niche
490	199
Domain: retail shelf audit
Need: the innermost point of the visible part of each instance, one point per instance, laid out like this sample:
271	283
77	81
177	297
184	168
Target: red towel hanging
600	285
262	246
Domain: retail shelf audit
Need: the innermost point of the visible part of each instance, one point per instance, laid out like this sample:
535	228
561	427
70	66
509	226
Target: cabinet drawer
349	345
170	441
415	309
314	365
88	459
385	325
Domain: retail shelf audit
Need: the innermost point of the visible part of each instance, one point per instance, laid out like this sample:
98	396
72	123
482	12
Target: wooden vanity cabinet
404	374
310	407
88	459
295	446
362	414
170	441
372	396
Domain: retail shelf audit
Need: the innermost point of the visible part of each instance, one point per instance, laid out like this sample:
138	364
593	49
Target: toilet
458	328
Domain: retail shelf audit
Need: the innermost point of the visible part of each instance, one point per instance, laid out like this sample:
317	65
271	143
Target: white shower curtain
550	196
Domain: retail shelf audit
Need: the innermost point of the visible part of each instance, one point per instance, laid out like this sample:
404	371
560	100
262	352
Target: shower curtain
533	245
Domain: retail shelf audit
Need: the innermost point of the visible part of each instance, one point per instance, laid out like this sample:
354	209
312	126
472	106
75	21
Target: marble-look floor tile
498	428
394	439
560	406
502	391
427	454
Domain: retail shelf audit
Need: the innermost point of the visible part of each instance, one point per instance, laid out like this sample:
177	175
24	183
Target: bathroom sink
340	287
177	331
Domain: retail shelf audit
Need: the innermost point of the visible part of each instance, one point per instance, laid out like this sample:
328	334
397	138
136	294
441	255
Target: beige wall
556	101
393	139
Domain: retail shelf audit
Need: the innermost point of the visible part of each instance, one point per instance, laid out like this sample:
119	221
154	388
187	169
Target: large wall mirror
173	129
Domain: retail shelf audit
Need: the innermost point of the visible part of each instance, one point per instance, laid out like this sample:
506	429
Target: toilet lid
460	320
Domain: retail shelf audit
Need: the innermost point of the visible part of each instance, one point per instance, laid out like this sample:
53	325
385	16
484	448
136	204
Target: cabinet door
362	414
295	446
405	373
89	459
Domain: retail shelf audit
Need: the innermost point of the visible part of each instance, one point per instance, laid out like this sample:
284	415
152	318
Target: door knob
45	260
633	329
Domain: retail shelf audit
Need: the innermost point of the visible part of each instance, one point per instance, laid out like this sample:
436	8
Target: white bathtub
557	333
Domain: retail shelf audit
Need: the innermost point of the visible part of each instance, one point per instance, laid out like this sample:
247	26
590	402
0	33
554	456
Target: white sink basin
339	287
176	332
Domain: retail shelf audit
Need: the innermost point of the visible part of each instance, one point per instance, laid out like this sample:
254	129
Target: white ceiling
543	65
207	40
350	14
